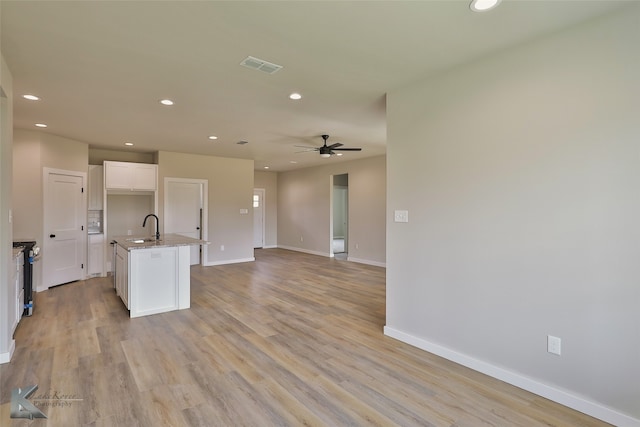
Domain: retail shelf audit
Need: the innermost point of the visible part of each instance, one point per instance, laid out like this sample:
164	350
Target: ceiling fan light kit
327	151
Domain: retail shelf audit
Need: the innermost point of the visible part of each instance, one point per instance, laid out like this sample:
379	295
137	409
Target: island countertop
166	240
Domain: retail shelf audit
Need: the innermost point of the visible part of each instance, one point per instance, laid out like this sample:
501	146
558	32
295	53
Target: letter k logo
21	407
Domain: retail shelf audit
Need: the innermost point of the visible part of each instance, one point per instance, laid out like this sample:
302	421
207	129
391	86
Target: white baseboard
229	261
6	357
562	397
270	247
306	251
366	261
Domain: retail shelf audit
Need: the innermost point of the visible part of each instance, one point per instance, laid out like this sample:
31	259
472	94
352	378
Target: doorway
258	218
185	212
64	240
340	216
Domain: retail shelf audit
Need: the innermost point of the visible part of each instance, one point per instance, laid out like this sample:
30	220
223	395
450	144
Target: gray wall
521	176
230	189
304	209
33	151
6	236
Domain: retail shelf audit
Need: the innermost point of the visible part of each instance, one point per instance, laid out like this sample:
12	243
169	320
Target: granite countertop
147	242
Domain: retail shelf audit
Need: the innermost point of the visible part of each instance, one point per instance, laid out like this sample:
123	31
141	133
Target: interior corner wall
304	209
230	183
269	181
521	176
6	234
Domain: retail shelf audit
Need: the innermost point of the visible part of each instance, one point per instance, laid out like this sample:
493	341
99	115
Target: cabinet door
145	177
96	254
96	187
122	275
118	175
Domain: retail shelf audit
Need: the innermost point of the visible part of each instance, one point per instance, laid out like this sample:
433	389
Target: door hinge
82	228
82	189
82	266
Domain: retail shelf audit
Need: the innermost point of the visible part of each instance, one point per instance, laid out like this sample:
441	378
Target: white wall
304	209
6	236
521	174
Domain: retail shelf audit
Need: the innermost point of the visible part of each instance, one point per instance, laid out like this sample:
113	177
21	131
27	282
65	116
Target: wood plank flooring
289	340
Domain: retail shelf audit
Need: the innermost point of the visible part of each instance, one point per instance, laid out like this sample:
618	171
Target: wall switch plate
222	248
244	211
401	216
554	345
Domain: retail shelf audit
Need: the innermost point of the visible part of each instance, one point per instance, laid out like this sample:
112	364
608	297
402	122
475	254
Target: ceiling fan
327	150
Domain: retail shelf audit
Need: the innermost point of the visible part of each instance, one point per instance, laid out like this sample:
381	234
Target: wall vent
260	65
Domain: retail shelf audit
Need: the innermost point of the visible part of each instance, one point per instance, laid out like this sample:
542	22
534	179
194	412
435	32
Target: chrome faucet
157	224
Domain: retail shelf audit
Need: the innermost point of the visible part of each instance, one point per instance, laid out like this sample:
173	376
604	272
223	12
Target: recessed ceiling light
295	96
266	167
293	161
31	97
128	144
213	137
166	102
339	154
483	5
41	125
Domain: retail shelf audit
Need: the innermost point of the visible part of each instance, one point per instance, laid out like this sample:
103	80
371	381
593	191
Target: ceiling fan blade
347	149
305	151
336	145
306	146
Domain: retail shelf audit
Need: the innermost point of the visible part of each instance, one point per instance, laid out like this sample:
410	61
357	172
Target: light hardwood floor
289	340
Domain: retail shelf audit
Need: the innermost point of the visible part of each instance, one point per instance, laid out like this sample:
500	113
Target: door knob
52	235
197	228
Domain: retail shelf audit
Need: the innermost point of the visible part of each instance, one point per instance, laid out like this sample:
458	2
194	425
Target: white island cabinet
153	276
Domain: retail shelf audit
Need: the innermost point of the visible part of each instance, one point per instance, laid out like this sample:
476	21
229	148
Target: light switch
401	216
244	211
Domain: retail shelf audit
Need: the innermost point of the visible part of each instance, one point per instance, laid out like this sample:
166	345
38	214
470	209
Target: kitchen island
153	276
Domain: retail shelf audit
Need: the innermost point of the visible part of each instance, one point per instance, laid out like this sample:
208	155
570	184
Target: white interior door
258	217
64	245
183	211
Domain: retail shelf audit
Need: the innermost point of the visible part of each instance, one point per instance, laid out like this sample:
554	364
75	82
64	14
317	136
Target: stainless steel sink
142	240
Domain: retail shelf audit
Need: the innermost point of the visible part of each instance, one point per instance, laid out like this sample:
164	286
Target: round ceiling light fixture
128	144
41	125
166	102
31	97
483	5
295	96
213	137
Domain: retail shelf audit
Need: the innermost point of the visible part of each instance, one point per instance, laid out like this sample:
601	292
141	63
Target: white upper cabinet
96	187
130	176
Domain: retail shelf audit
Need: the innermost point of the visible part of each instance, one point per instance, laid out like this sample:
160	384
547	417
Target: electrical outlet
129	232
357	246
222	248
301	239
554	345
401	216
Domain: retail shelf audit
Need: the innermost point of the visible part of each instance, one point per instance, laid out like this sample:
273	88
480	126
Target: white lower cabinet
96	255
122	274
153	280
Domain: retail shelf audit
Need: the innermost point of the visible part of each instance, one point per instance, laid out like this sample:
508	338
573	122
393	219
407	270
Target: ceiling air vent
260	65
242	142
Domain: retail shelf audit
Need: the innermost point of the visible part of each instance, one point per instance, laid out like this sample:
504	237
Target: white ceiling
100	68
